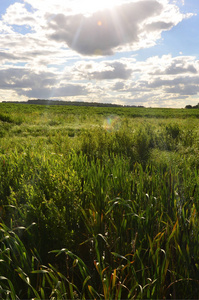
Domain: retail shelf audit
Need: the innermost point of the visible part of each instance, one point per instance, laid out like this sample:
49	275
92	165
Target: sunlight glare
90	7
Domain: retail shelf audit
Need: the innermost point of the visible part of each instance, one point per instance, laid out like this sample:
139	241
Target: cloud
158	80
178	65
17	14
125	27
154	82
21	78
68	90
173	69
159	26
7	56
177	77
100	71
38	85
180	85
72	7
118	86
186	90
115	70
43	49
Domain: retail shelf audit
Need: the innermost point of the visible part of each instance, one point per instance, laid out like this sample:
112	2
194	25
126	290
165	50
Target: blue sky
130	52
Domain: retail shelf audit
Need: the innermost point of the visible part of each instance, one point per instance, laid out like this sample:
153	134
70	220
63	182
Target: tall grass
99	213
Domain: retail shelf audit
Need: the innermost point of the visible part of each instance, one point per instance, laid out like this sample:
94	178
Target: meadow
99	203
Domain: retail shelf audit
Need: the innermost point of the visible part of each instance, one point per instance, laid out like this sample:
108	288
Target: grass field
99	203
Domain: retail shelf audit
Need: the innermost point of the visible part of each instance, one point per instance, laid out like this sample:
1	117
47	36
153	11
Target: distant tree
195	106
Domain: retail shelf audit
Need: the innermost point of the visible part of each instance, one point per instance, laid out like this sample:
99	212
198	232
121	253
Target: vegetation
60	102
98	203
194	106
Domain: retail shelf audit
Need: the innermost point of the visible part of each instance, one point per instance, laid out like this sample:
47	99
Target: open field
99	203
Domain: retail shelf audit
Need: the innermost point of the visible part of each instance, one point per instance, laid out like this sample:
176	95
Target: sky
127	52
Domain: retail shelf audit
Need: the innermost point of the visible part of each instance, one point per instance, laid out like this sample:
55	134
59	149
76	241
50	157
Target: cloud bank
73	54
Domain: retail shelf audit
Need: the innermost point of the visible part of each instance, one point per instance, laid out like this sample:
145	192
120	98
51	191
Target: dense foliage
98	203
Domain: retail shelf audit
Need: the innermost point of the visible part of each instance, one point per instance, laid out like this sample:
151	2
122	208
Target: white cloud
17	14
129	26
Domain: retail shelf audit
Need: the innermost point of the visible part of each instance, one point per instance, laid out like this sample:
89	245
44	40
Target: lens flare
112	123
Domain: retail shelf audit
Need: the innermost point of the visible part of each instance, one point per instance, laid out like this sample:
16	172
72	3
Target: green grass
98	203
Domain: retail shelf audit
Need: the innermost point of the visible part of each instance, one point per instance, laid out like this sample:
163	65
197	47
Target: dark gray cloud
159	26
175	68
188	90
37	85
102	32
158	82
118	86
118	70
7	56
18	78
68	90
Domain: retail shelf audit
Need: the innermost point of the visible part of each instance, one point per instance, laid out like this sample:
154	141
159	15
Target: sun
91	6
99	5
